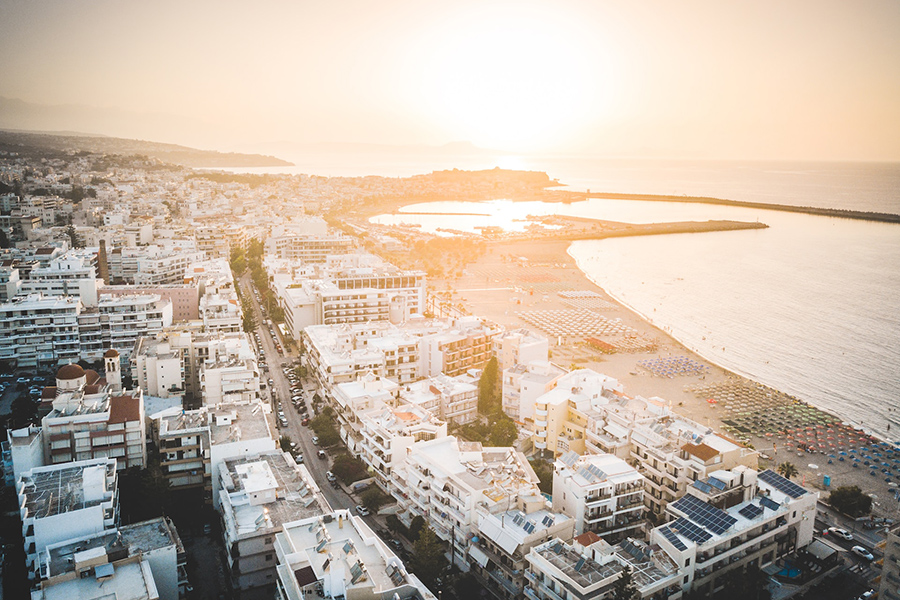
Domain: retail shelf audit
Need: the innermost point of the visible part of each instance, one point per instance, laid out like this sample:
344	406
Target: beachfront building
451	399
602	493
672	452
465	345
523	384
67	501
336	555
143	560
88	419
519	347
890	570
731	520
260	493
589	567
562	415
450	483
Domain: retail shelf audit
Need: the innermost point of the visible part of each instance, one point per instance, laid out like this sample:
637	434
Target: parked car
841	533
862	552
362	510
315	440
321	454
305	421
329	476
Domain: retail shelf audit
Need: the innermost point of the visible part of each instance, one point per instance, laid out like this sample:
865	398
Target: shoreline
502	292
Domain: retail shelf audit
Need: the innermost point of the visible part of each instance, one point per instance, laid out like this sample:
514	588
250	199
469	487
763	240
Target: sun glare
511	83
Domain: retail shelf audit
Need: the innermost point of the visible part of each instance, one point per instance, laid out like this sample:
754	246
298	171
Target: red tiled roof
124	408
49	393
587	538
701	451
91	377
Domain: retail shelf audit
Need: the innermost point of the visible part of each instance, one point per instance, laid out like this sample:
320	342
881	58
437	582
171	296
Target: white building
118	322
130	562
38	331
450	399
63	502
590	568
519	347
260	493
603	494
338	556
523	384
731	520
158	368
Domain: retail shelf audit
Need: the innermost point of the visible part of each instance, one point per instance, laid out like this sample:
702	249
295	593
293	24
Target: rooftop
54	490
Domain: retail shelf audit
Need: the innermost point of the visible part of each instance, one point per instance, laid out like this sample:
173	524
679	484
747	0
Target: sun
510	81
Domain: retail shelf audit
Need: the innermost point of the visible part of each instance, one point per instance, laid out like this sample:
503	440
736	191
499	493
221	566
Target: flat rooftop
130	581
70	487
248	423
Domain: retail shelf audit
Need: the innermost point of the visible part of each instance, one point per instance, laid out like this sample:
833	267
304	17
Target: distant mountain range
170	153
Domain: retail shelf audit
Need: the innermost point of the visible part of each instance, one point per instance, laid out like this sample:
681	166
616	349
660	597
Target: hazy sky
755	79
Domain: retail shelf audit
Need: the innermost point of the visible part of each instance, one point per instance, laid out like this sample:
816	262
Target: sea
809	306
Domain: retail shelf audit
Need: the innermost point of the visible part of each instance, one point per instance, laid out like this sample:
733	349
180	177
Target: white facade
38	331
158	368
524	383
602	493
520	347
63	502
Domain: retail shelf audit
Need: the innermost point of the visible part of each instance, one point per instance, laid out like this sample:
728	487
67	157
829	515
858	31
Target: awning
616	431
480	557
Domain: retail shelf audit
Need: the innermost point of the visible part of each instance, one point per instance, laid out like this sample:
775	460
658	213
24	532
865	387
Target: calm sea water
810	306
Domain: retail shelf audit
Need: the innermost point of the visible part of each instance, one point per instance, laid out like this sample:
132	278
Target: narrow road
281	390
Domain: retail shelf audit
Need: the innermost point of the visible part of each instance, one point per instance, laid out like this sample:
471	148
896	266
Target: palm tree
788	470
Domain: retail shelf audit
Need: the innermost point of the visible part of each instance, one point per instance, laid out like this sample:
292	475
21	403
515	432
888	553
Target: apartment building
562	415
890	570
134	561
260	493
602	493
158	368
519	347
336	555
523	384
450	399
589	567
72	274
450	483
221	313
67	501
23	450
185	298
731	520
229	381
118	322
87	419
466	345
39	332
386	435
309	248
194	443
498	552
10	281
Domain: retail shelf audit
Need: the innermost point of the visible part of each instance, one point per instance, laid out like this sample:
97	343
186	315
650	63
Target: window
686	577
687	562
268	541
269	557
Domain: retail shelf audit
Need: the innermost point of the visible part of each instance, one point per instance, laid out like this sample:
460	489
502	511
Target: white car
329	476
862	553
362	510
841	533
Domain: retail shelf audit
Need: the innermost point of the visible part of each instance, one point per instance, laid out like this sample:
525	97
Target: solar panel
558	547
569	458
529	527
673	539
518	519
583	471
547	521
751	511
594	469
580	564
704	514
348	547
781	484
769	503
691	531
703	487
717	483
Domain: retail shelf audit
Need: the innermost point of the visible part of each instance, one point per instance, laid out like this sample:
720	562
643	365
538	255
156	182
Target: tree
74	240
428	557
348	469
504	432
788	470
488	393
285	443
749	584
415	527
851	501
544	470
624	588
373	499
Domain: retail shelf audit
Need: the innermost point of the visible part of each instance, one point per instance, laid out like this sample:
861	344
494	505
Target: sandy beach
518	284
